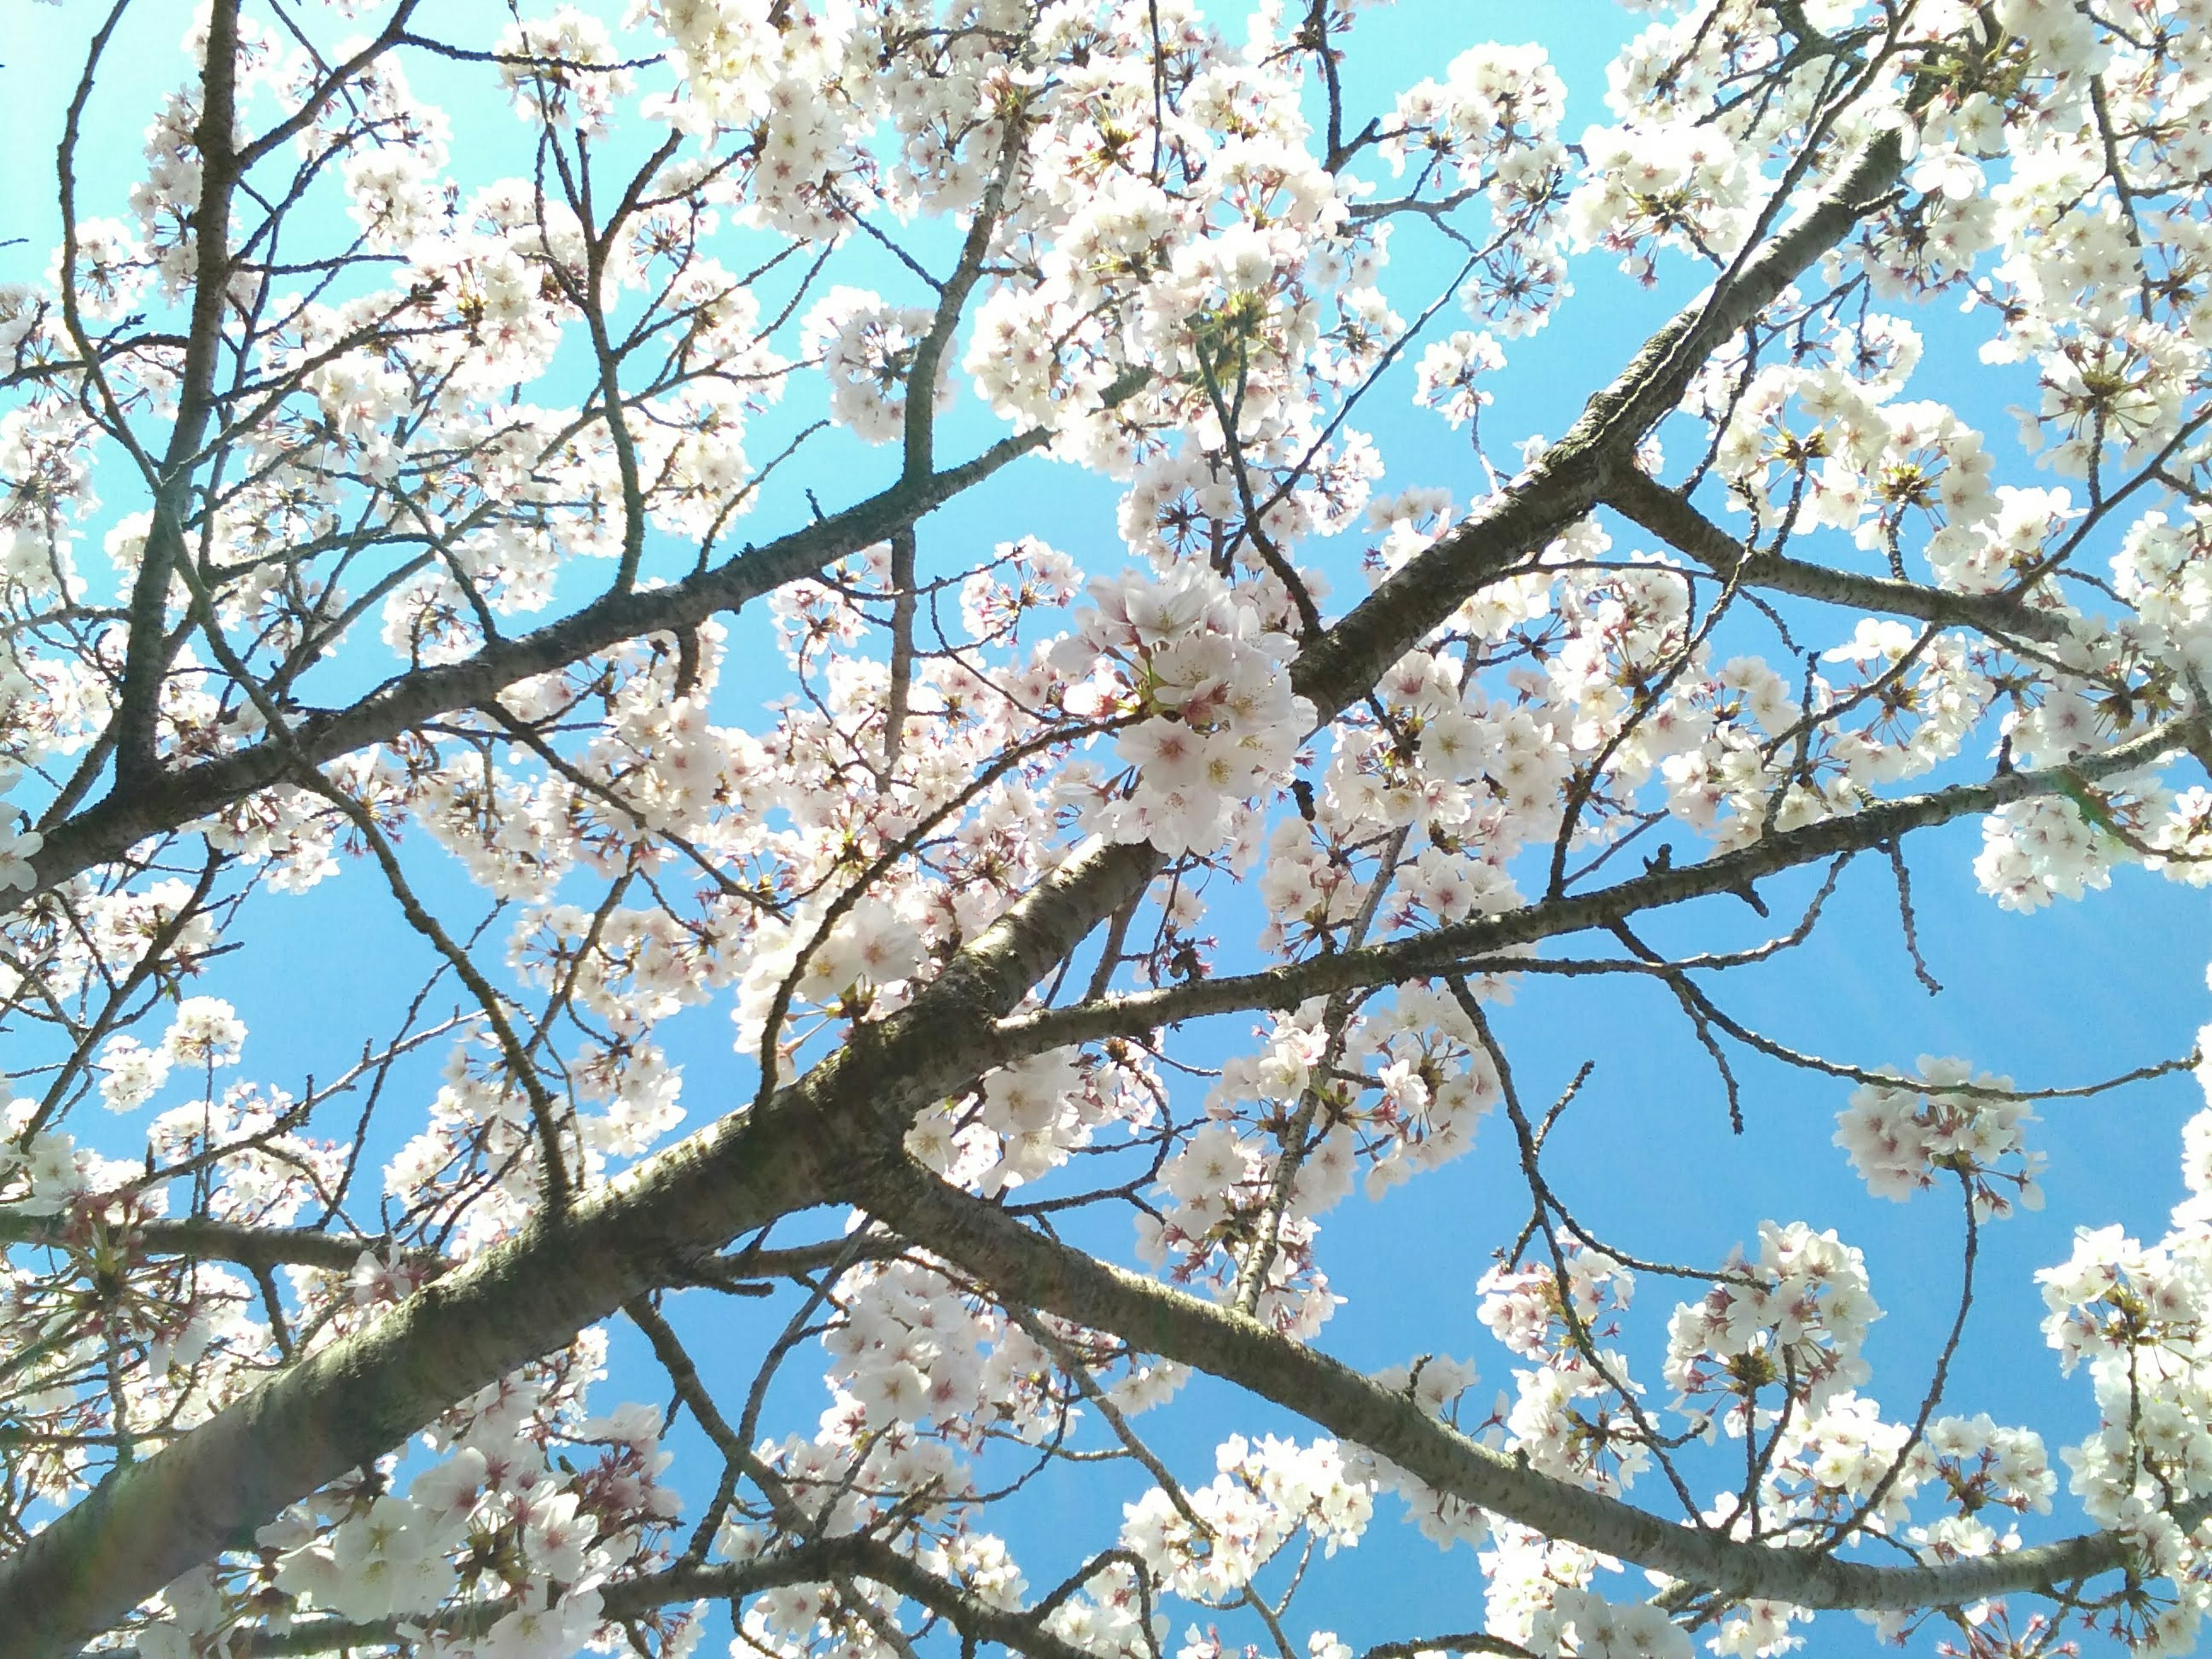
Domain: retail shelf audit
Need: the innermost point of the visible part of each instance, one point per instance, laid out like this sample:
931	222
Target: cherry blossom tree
437	478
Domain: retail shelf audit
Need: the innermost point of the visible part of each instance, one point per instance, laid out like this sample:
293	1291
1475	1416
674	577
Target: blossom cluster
1209	1542
1213	722
1900	1135
1793	1318
494	1524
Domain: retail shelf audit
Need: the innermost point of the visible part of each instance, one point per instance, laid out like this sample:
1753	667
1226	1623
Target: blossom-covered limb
149	642
1017	1261
854	1556
1640	498
350	1402
1442	948
1572	475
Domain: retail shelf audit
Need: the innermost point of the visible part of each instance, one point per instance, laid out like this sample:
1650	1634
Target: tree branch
126	815
147	647
235	1241
1637	497
1445	948
820	1561
1575	473
1018	1263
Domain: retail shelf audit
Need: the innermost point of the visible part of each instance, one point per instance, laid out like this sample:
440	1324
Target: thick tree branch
1452	947
1637	497
147	647
820	1561
903	605
110	828
342	1406
1574	474
1021	1265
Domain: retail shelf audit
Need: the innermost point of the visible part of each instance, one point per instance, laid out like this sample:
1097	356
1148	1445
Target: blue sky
2071	994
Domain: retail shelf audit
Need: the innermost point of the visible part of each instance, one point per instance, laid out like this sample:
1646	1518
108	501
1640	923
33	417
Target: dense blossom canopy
397	488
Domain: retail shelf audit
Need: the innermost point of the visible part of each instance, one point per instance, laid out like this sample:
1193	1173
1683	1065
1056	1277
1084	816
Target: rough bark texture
360	1397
